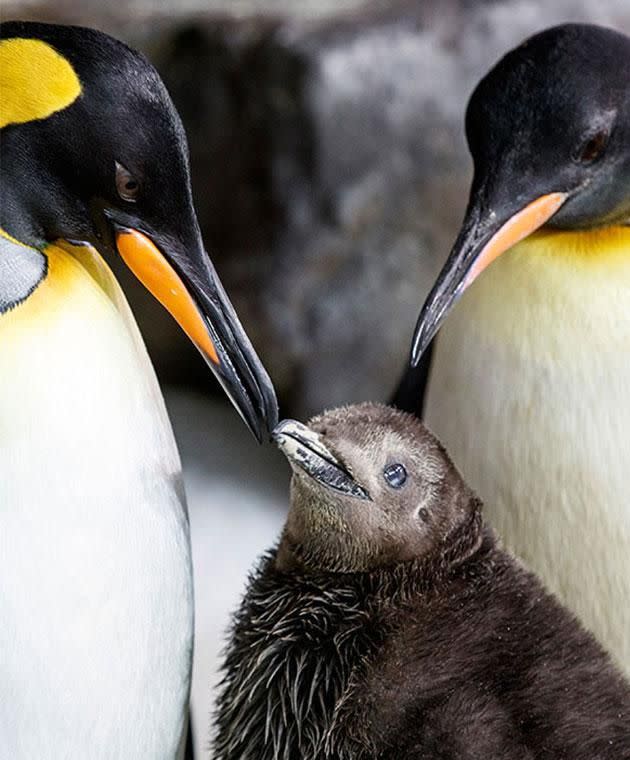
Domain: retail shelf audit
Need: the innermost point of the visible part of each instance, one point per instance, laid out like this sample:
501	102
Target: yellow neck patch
598	247
35	81
552	295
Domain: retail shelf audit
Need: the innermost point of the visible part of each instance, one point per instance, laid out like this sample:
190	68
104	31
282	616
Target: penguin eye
127	185
395	475
592	147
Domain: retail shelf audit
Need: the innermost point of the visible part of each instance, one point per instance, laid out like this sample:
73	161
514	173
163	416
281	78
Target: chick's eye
127	185
395	475
593	147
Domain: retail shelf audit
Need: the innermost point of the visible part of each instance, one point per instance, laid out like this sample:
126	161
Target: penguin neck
32	198
557	296
74	365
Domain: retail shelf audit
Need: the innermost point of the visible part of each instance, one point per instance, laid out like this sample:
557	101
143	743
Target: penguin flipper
189	754
411	392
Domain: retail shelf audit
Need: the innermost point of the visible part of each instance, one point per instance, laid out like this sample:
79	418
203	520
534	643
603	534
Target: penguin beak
306	451
484	237
189	288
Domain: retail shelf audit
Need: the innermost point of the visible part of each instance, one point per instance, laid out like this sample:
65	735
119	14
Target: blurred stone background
329	164
330	172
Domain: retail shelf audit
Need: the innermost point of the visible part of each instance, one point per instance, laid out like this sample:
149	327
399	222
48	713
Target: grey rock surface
329	165
349	131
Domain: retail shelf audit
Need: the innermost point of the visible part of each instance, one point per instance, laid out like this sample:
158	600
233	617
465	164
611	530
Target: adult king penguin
530	380
96	595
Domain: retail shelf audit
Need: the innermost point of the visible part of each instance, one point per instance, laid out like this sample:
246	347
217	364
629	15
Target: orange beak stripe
161	280
522	224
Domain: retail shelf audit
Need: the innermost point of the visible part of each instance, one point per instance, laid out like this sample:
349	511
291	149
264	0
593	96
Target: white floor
237	497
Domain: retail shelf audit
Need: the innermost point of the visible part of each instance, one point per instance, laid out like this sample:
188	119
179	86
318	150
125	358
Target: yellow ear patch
35	81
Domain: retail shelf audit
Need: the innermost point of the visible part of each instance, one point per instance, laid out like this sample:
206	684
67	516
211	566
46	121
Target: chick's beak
192	293
306	451
482	239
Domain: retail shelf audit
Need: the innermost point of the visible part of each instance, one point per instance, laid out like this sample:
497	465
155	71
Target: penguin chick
389	623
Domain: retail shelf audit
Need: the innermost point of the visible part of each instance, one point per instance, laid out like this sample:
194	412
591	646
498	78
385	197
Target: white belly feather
530	392
96	595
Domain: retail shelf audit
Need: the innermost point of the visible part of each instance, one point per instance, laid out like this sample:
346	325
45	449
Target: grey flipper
189	754
412	388
186	751
21	270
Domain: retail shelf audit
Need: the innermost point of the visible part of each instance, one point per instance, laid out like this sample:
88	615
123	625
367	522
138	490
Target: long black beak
483	237
305	450
239	370
188	286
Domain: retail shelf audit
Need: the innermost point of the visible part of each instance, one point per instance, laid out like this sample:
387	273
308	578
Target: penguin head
549	132
371	487
93	152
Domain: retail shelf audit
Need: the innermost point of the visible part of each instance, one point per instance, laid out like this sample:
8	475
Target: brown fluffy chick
389	623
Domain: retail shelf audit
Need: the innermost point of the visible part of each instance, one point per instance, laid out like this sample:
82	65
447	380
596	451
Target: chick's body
416	635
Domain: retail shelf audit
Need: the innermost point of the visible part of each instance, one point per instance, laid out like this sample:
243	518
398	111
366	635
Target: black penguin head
549	132
371	487
109	167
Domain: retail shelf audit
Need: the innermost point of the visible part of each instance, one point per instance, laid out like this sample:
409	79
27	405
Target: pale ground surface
237	497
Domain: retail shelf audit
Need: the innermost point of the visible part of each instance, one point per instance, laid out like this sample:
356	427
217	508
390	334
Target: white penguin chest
530	391
96	600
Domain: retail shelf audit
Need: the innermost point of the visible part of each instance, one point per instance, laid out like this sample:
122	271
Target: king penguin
96	598
529	385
